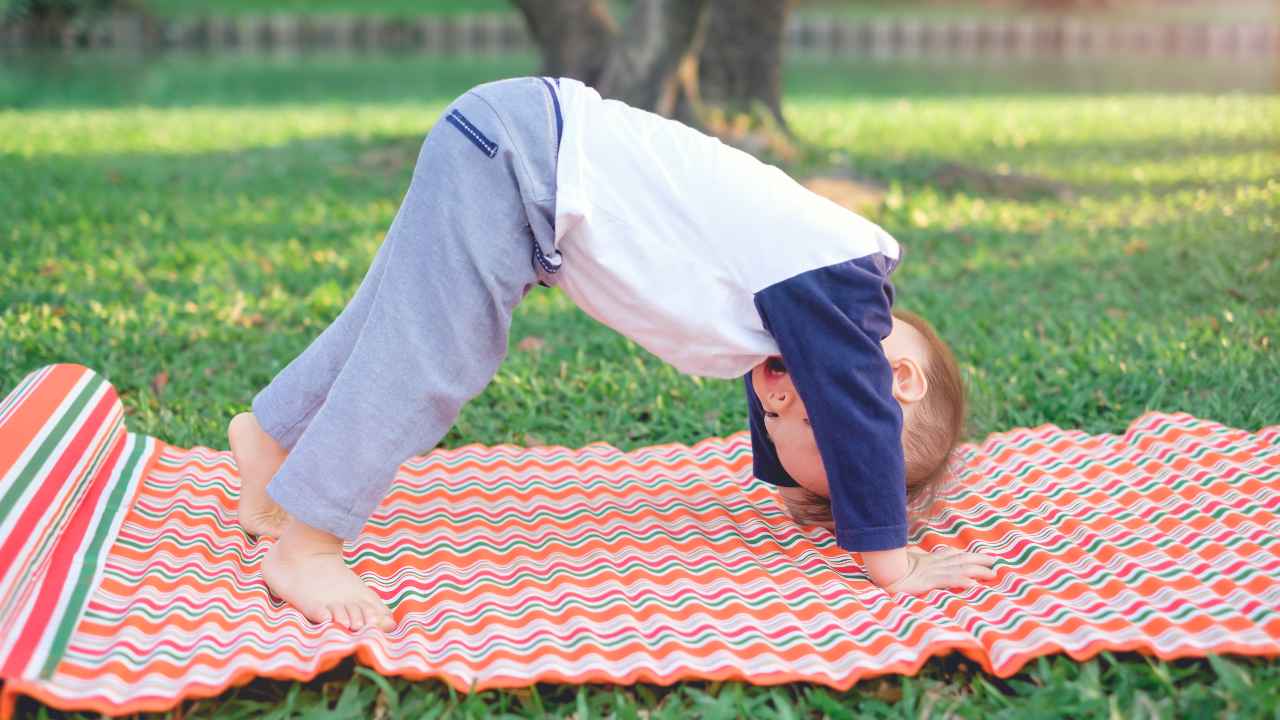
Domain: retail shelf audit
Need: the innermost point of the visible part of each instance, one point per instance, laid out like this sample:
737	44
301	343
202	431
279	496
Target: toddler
717	263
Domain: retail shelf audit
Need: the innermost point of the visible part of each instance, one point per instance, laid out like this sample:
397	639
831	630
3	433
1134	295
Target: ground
1092	251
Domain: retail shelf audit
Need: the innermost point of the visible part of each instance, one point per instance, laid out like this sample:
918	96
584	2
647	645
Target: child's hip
517	122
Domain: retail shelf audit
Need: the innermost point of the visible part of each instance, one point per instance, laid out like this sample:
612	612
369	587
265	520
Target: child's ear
909	383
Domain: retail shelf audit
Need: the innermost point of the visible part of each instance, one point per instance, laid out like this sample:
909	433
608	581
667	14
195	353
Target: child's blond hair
938	425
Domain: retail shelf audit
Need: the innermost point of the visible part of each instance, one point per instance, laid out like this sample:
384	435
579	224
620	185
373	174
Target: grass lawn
186	227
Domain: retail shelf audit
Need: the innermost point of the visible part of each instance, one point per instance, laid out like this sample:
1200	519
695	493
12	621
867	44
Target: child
715	262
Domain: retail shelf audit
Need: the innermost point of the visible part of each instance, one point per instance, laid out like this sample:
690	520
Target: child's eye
775	364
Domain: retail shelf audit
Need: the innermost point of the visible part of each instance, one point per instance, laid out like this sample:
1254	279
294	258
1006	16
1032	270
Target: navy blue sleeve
828	323
764	458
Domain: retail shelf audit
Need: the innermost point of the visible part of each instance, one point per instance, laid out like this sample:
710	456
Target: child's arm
828	324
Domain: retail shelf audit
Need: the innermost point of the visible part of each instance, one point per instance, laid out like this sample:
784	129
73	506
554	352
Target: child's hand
915	570
942	568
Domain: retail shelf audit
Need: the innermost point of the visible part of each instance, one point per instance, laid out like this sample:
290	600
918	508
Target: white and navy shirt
714	261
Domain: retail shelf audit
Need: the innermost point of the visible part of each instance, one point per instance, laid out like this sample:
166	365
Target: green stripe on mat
86	478
93	556
47	447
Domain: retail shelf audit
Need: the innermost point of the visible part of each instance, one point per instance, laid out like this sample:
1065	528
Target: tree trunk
574	36
740	67
659	38
673	57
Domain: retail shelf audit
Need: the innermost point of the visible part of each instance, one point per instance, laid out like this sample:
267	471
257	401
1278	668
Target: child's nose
780	399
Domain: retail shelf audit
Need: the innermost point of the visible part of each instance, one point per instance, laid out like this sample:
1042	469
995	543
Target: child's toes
381	617
356	613
368	615
339	614
319	615
366	612
357	616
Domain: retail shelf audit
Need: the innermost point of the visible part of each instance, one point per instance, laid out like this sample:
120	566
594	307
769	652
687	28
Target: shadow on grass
999	174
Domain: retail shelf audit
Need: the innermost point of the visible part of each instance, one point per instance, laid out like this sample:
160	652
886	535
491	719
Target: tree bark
672	56
575	37
740	67
660	37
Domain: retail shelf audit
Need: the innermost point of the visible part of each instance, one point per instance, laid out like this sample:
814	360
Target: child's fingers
951	554
967	558
953	581
972	569
965	576
971	557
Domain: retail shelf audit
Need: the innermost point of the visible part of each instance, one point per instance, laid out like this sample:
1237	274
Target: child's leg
261	440
285	407
258	456
456	261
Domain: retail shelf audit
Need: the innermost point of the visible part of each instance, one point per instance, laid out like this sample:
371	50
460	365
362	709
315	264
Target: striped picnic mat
126	584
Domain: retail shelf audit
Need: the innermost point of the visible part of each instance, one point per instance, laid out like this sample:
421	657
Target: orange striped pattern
506	566
67	472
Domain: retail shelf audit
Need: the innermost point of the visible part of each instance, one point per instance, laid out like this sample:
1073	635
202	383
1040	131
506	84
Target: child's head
926	383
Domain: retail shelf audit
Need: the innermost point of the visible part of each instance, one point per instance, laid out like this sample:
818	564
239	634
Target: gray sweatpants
427	329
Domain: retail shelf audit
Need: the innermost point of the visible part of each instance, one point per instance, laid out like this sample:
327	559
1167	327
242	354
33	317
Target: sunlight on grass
193	131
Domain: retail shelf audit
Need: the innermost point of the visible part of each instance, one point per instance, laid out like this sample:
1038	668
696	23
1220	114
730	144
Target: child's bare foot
258	456
305	568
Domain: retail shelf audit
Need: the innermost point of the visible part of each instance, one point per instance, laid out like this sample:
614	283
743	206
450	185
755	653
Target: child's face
787	422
